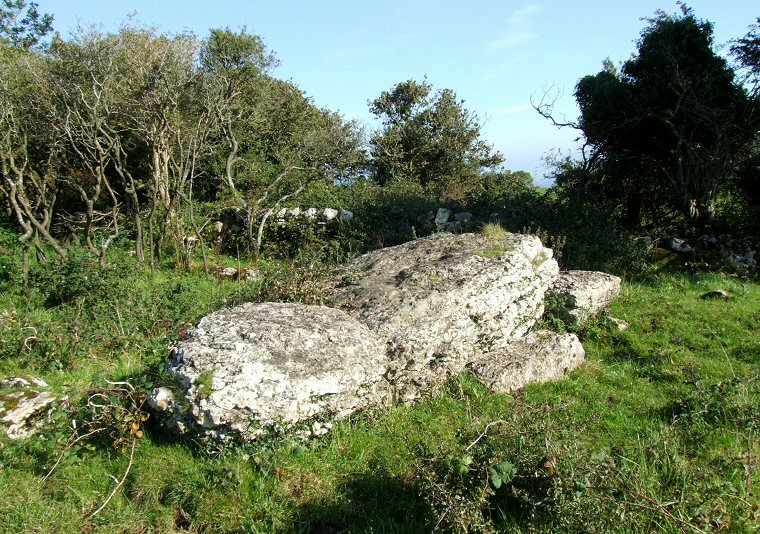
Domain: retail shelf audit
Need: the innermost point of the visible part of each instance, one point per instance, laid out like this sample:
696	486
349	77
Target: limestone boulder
24	402
402	320
441	301
575	296
254	367
537	357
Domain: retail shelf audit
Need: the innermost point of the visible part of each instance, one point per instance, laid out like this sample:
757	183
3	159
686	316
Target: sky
495	55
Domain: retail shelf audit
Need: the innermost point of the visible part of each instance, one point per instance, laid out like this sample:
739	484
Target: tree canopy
106	127
671	126
21	23
428	138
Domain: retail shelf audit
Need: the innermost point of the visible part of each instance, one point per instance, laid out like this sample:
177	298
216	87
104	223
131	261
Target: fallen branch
68	446
485	431
126	473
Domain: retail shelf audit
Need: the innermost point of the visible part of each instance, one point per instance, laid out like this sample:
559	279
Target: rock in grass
23	410
578	295
718	294
537	357
255	367
440	301
410	317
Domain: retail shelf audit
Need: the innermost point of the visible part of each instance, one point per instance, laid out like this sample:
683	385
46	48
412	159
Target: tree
85	81
669	128
429	139
233	63
746	50
21	25
30	150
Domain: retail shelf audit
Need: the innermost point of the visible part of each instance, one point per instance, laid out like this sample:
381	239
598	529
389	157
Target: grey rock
409	318
346	216
442	216
256	367
248	273
440	301
452	227
226	273
22	412
310	213
161	399
578	295
678	245
464	216
22	382
328	214
538	357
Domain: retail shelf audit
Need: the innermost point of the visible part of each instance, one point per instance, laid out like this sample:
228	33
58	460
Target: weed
493	232
204	383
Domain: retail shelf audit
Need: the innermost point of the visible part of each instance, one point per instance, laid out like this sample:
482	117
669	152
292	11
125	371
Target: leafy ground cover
658	431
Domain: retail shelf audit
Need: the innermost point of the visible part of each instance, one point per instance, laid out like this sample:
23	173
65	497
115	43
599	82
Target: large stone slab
578	295
537	357
441	301
405	319
253	367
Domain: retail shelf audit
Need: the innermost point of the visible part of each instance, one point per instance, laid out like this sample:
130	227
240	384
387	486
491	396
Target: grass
496	236
658	431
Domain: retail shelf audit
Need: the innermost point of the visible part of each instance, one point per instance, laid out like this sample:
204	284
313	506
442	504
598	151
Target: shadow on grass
369	503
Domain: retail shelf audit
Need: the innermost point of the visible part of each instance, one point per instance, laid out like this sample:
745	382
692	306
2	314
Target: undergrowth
657	432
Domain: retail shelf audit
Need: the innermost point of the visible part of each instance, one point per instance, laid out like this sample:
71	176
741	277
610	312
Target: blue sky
494	54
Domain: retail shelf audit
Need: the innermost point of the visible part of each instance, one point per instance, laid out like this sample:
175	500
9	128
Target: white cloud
519	29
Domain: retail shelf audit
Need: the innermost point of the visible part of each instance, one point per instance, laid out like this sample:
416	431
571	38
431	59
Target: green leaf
464	464
502	473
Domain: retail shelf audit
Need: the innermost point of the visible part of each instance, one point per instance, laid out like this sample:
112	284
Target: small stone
249	273
310	213
226	273
328	214
346	216
442	216
678	245
161	399
621	324
716	294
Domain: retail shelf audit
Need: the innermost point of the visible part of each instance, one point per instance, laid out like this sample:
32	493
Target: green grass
658	431
496	236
